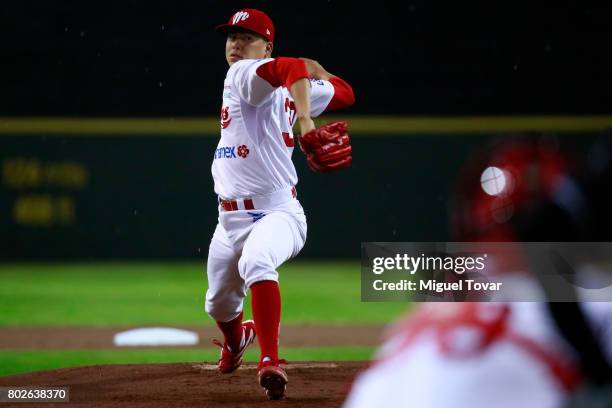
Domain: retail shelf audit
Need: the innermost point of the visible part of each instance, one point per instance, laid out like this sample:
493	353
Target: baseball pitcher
261	222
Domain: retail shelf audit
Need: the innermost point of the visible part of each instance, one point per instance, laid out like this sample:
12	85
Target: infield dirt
316	384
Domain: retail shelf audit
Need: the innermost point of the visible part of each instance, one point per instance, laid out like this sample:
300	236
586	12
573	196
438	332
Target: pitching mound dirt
314	384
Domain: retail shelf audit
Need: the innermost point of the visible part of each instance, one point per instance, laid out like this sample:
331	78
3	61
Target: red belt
232	205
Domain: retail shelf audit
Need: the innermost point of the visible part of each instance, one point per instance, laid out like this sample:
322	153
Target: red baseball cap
251	20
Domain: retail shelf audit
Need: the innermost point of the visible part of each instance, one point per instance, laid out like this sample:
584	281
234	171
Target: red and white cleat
273	378
230	360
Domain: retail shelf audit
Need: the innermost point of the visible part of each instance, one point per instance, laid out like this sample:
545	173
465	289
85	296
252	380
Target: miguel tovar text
434	286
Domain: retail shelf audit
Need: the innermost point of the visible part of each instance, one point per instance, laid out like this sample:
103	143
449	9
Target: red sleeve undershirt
343	94
283	71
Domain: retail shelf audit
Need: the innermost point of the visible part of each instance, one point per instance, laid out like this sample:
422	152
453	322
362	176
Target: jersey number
290	109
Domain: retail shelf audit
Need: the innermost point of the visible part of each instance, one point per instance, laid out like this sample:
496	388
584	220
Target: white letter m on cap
240	16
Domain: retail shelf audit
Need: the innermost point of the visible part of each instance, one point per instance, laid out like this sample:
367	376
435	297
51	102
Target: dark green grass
16	361
169	294
172	294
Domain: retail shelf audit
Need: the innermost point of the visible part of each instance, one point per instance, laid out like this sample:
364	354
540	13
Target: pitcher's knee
222	312
256	268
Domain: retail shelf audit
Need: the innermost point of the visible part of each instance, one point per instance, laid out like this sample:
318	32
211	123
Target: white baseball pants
247	247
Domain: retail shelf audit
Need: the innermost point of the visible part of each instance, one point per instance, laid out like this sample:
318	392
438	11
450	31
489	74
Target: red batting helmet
509	178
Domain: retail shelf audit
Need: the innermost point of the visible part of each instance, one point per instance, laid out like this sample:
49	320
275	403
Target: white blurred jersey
253	156
485	355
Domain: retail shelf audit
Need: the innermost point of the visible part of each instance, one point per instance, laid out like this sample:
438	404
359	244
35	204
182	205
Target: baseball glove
327	148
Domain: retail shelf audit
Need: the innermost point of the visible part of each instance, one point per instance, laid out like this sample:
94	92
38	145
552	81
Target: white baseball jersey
253	156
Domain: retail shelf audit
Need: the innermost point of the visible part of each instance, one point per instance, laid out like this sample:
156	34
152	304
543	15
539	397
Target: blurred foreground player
261	222
503	354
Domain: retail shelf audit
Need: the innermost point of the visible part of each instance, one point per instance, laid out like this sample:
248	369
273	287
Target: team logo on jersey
231	152
256	215
225	152
240	16
243	151
225	119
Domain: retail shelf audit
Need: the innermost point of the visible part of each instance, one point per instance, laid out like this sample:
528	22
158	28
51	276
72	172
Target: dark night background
122	58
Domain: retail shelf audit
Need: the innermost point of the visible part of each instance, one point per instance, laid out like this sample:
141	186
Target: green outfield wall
142	189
